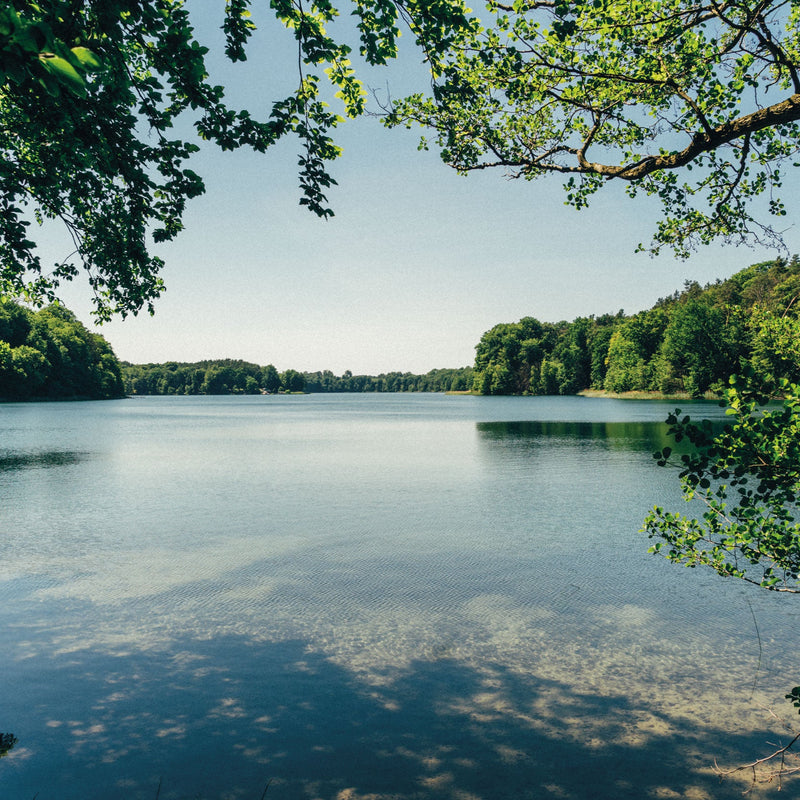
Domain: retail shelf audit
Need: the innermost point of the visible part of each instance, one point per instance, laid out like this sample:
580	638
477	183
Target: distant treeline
228	376
437	380
49	355
689	342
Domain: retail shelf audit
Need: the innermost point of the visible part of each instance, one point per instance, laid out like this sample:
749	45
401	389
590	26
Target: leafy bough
747	475
91	94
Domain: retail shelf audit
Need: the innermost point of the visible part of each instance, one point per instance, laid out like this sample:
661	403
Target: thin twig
760	651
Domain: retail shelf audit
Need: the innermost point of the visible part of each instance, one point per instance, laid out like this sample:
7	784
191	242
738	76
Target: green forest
228	376
49	355
689	342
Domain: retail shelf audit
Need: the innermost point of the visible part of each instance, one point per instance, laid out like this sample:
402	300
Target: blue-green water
365	597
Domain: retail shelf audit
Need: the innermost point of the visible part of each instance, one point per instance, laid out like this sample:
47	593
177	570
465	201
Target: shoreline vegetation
50	355
603	394
647	395
685	346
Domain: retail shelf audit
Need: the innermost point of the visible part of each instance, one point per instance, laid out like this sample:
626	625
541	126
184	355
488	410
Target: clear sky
417	263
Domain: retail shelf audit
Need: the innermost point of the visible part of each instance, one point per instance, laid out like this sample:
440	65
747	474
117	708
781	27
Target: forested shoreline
50	355
687	343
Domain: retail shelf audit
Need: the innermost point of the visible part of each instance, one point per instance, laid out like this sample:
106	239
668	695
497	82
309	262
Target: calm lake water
362	598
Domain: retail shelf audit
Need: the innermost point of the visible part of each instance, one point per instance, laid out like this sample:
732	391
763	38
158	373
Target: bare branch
776	773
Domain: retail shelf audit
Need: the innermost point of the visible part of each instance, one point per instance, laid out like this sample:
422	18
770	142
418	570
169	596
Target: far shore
636	395
645	395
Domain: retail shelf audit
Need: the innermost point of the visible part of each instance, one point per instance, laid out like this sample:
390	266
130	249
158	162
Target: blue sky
417	263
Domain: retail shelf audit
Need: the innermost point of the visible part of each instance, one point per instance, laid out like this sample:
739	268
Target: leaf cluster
747	475
91	96
30	51
696	104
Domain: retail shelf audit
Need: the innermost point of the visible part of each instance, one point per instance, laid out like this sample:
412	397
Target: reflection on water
366	598
635	436
33	460
601	431
7	742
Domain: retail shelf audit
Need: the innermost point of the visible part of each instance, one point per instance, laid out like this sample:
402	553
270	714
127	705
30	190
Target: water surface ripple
390	596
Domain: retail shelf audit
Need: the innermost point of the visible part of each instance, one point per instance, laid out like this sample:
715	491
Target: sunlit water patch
352	597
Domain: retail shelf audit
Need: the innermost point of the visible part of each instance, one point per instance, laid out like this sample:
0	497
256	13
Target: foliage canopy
694	102
689	342
638	91
49	354
90	94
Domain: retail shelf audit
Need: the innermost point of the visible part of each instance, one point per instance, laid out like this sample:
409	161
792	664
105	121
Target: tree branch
703	142
780	772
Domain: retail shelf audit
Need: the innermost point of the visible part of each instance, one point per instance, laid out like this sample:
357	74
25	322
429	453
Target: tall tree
702	346
632	348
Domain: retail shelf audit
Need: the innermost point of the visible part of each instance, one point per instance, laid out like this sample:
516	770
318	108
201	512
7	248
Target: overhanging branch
703	142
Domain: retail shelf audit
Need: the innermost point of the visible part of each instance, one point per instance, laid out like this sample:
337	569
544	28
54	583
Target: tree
50	354
775	344
89	96
701	347
15	323
632	348
572	352
271	381
293	381
627	90
633	91
627	369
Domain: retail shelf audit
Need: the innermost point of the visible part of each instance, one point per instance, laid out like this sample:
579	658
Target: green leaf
61	69
87	58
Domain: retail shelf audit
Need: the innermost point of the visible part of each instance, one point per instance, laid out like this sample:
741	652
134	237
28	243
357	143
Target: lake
365	597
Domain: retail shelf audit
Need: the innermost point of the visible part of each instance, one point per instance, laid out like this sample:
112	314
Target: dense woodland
48	354
689	342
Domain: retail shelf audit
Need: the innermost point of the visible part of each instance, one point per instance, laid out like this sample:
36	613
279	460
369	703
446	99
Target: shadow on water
219	718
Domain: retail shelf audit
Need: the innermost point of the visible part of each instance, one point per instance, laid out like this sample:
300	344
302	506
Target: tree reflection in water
7	742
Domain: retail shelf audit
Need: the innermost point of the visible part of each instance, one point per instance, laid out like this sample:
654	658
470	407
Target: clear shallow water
357	597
